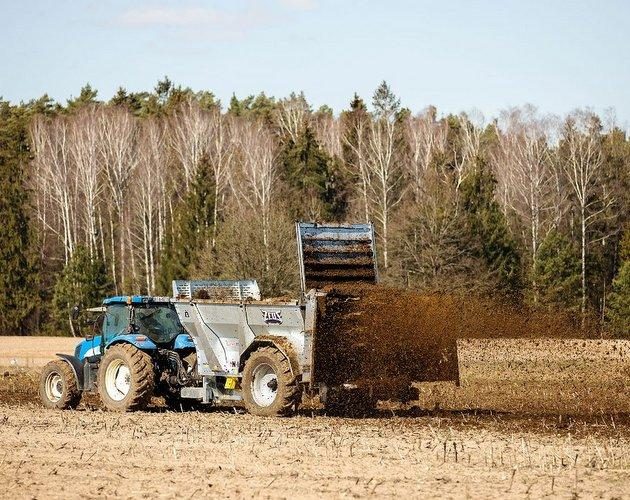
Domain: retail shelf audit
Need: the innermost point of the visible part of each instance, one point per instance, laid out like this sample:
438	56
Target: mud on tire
269	388
58	387
126	378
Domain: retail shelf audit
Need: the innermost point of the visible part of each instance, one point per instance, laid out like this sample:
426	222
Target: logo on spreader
272	317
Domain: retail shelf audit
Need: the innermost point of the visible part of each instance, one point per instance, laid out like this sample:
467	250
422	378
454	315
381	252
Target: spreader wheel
269	387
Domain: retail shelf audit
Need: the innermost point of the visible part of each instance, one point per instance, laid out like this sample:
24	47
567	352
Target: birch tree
426	138
118	129
84	151
190	133
220	154
55	176
582	165
292	116
254	183
383	162
149	186
525	174
328	133
466	156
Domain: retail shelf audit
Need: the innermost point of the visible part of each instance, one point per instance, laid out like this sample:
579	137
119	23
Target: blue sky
456	55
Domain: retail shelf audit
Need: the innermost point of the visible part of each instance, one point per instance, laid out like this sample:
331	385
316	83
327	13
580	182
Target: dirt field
532	418
33	351
92	453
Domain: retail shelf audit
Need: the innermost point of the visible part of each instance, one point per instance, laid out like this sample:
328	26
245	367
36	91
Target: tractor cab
148	323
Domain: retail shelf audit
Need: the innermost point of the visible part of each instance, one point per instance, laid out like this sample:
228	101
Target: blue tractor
138	349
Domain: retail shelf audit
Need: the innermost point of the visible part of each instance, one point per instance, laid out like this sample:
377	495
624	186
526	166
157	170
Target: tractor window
159	323
116	321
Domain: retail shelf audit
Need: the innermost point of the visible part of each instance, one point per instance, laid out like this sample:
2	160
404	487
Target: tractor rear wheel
126	379
58	387
269	387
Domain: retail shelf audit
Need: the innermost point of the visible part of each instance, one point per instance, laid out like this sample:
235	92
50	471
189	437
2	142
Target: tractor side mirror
75	312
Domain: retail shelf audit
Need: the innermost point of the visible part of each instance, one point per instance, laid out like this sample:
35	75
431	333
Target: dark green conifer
488	234
191	231
83	282
618	312
557	273
18	283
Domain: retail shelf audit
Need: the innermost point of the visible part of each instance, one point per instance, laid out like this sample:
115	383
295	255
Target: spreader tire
58	387
126	380
269	387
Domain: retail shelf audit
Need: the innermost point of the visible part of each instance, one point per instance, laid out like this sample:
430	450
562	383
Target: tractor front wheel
126	379
269	388
58	387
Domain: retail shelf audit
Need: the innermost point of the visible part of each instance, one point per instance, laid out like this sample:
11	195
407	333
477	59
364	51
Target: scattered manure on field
373	331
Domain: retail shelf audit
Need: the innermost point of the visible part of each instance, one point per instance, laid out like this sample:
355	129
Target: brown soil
381	333
567	436
90	453
33	351
522	376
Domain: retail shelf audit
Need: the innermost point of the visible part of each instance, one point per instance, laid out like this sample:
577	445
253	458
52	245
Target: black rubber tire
350	403
288	392
70	393
142	378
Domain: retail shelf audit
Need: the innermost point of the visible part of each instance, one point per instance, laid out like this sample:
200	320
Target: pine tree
83	282
191	230
385	102
487	231
357	103
618	313
259	106
557	273
18	284
163	90
236	107
86	96
310	171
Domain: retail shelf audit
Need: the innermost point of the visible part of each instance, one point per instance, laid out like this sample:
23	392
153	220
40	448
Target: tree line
121	197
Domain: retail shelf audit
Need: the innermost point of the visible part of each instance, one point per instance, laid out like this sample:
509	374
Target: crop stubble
566	434
88	453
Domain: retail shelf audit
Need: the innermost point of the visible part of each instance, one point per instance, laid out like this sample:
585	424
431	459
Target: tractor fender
142	342
280	343
76	365
183	341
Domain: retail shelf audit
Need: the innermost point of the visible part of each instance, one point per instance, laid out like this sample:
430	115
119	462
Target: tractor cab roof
135	300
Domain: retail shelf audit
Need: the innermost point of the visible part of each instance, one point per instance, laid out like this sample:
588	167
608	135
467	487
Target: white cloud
197	22
171	16
299	4
216	22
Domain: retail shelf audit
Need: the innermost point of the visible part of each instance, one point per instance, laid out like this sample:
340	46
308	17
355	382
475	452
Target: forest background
121	197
